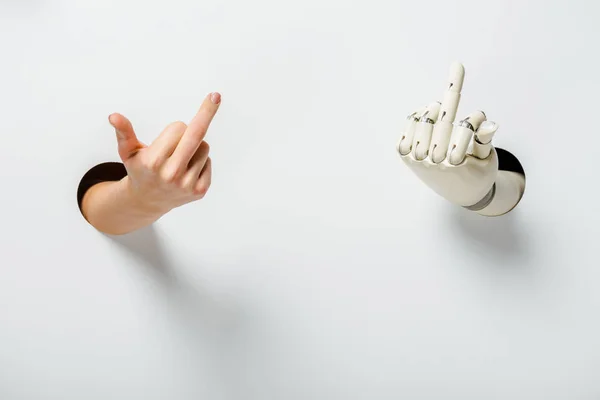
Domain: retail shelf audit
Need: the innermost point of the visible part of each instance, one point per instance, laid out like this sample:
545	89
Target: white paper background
317	267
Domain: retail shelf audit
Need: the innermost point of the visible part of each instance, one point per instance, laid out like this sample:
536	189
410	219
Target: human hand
176	168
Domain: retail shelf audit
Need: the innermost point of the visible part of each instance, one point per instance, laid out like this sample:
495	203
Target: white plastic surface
510	187
318	267
464	184
423	130
482	145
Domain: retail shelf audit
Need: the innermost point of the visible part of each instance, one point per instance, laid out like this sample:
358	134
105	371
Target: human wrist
137	203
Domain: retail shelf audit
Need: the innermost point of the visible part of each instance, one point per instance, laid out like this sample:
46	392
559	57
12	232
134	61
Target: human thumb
127	141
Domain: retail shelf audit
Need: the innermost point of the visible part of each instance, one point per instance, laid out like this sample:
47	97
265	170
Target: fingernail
111	118
215	97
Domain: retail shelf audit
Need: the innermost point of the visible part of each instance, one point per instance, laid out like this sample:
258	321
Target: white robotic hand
459	162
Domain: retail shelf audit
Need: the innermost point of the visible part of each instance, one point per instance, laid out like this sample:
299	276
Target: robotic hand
459	162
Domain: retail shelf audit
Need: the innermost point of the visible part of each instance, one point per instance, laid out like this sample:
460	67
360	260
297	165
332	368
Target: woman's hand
174	170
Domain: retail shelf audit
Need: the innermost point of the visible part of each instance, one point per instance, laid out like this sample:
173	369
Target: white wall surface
317	267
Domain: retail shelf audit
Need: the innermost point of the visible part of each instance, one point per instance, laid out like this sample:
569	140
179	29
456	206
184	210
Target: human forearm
111	208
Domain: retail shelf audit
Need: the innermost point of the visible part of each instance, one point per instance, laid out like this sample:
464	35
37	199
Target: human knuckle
201	190
179	125
152	163
169	175
189	184
185	183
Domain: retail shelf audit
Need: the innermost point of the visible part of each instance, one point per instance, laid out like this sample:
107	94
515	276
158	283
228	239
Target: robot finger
423	131
404	145
442	130
482	141
462	135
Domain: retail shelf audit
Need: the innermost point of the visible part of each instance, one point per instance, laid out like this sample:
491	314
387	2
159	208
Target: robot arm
458	161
